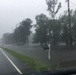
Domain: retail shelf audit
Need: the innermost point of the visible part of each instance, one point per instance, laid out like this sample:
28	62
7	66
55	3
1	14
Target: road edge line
18	70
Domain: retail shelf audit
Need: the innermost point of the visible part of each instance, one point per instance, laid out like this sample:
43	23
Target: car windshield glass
37	36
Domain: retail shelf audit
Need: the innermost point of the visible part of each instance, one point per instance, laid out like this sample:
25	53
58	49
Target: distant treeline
47	30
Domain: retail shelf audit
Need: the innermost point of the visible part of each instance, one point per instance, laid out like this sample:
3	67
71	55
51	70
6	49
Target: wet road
9	65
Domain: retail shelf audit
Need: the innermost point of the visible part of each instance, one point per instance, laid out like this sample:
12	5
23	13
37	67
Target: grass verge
34	65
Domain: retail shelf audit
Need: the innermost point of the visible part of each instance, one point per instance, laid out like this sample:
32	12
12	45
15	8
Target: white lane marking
11	62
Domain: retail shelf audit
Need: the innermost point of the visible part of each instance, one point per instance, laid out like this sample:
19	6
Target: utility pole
69	20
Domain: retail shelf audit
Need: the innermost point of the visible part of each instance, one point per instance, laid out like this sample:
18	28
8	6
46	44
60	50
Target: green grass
33	64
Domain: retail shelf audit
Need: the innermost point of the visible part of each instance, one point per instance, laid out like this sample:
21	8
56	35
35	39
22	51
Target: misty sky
14	11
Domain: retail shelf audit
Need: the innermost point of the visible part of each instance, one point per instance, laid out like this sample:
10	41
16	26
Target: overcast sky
14	11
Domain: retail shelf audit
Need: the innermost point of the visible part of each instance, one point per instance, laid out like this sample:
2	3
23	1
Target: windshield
37	36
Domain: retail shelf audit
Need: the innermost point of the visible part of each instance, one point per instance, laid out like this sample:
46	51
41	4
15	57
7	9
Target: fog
14	11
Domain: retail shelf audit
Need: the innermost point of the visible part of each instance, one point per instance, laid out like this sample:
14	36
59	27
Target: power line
42	8
39	6
73	3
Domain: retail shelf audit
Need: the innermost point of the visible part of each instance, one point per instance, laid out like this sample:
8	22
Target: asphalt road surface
9	65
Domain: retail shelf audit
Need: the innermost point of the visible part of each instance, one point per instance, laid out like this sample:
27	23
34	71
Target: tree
54	30
41	35
74	26
52	7
65	27
22	32
17	35
26	26
53	24
8	38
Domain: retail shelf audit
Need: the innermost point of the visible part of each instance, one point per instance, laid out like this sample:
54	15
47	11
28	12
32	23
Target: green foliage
52	7
74	26
44	26
54	25
8	38
54	28
41	29
65	28
46	30
20	34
